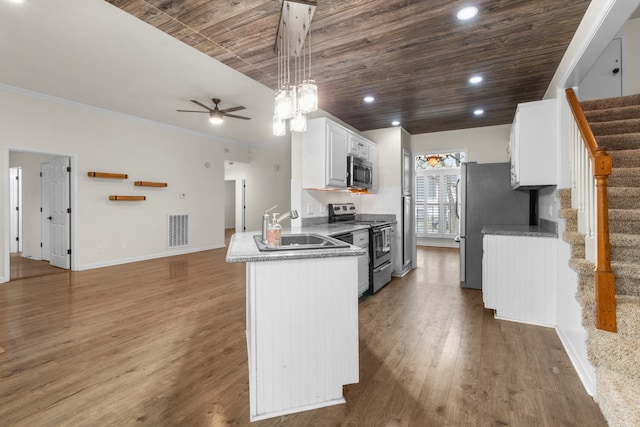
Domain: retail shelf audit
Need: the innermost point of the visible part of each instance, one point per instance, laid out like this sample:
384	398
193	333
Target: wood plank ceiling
414	57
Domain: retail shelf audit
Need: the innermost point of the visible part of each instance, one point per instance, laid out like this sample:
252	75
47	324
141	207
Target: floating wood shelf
108	175
149	184
128	198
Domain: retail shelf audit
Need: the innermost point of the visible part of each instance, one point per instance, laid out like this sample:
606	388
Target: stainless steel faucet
293	215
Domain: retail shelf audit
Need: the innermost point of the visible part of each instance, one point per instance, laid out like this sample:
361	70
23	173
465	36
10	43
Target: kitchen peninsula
302	325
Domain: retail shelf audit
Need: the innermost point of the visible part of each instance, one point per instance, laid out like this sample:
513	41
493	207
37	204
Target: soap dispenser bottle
274	232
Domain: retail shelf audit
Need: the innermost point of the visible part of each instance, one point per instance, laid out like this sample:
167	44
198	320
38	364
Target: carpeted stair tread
623	197
624	240
615	352
615	127
622	141
573	237
625	158
606	103
581	265
624	177
611	114
624	215
618	398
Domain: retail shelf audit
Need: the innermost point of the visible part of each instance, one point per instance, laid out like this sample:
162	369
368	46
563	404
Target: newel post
605	281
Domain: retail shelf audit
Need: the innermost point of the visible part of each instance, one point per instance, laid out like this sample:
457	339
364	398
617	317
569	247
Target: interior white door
604	79
45	211
15	195
60	255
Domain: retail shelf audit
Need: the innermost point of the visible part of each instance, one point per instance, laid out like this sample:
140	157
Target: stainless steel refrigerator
486	198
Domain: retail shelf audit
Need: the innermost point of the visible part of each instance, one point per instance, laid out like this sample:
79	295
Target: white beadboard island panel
302	333
519	278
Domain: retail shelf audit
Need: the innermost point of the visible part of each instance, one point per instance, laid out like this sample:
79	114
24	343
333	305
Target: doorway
606	77
46	237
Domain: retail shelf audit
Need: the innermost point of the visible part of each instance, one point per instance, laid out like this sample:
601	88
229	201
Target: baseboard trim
111	263
585	373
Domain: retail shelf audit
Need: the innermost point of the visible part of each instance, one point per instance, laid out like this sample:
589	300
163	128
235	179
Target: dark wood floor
162	343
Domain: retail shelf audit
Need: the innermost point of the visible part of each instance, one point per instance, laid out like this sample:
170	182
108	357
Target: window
436	189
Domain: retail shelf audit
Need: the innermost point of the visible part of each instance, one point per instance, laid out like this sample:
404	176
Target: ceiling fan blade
201	104
237	117
193	111
232	109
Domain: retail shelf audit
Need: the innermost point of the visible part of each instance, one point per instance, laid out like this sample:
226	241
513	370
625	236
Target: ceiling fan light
279	126
215	117
298	123
307	96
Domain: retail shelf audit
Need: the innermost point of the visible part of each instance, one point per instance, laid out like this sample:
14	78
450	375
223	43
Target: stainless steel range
380	235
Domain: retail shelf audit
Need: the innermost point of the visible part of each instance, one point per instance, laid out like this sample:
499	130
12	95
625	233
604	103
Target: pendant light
296	94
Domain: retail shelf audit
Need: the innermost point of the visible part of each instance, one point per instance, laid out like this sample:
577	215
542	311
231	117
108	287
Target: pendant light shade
286	102
279	126
298	123
307	96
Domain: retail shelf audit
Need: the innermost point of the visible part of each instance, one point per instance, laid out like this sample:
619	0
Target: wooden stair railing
604	279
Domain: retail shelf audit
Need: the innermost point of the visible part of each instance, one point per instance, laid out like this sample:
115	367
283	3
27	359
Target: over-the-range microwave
359	173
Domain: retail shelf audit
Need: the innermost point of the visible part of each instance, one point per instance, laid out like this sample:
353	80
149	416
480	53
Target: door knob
50	218
616	70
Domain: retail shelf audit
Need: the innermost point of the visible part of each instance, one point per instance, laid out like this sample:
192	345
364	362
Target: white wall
631	30
102	141
484	145
267	179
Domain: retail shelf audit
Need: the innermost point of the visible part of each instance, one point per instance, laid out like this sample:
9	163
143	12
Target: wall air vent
178	235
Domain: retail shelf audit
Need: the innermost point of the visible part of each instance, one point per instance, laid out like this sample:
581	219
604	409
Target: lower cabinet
361	239
302	334
519	278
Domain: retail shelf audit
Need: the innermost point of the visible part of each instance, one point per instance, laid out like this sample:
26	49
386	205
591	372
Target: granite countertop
520	230
242	247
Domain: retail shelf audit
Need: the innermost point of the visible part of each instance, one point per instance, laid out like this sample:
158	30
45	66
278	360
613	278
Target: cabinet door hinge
68	168
68	210
68	251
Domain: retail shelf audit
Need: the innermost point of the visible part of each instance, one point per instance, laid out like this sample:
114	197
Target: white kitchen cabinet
533	144
324	155
518	278
358	146
361	239
302	334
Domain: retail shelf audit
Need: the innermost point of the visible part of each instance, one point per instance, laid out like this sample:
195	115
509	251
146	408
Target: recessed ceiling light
16	1
395	123
475	80
369	99
467	13
478	112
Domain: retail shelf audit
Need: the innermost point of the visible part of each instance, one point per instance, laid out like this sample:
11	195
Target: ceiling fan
216	114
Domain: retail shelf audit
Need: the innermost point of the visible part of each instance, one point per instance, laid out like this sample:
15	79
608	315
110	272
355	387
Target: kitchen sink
302	241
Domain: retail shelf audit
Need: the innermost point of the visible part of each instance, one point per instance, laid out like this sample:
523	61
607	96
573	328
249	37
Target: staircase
615	123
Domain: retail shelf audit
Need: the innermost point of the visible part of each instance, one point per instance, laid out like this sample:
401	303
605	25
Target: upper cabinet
533	144
324	155
325	147
358	146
